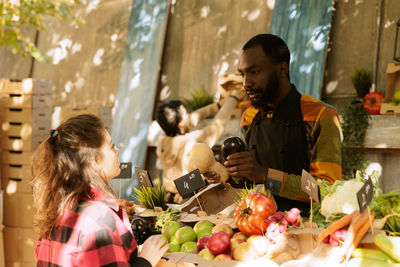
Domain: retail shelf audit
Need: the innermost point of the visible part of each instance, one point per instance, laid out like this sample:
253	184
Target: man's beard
267	93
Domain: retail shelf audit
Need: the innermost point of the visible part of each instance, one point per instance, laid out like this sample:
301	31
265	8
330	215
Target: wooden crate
29	115
26	86
388	109
25	130
16	157
25	101
1	248
18	210
19	245
18	144
20	264
16	178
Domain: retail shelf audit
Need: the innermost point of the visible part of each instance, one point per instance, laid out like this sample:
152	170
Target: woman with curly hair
79	220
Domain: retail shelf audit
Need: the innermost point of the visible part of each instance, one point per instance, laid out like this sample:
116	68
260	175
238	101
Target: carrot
359	235
336	225
357	222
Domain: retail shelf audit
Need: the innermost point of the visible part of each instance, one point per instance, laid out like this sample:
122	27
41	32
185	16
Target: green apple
169	229
205	253
201	224
396	96
204	231
185	234
189	247
172	239
174	247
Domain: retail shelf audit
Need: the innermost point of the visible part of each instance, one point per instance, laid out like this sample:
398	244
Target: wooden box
25	101
16	157
18	210
19	144
29	115
26	86
1	248
20	264
389	109
19	245
25	130
16	178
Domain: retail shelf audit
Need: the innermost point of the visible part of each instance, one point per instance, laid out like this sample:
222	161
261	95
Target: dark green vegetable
389	203
372	254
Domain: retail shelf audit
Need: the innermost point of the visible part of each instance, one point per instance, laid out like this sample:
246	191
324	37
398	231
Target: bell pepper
372	102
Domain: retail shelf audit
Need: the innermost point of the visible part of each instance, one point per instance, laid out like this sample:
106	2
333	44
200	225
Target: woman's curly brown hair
64	168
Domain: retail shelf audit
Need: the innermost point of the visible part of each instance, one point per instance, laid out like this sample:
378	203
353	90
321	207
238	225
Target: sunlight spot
92	5
76	48
293	14
80	82
317	39
137	115
389	23
97	57
307	68
164	93
135	82
61	52
11	187
224	68
244	13
271	4
164	78
331	87
112	98
114	37
254	15
221	30
15	18
205	10
63	96
68	87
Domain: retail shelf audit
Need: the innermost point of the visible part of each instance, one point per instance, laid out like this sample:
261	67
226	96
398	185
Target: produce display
336	233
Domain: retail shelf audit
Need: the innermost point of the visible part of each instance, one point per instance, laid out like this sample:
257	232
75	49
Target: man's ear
283	69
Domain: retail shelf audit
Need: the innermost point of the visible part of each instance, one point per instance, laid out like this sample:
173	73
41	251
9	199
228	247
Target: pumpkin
252	212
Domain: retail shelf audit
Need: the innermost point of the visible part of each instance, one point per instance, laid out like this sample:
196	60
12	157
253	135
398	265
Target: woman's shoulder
94	213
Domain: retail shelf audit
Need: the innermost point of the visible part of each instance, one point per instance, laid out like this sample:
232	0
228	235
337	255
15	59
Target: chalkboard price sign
143	177
364	195
309	185
126	170
189	183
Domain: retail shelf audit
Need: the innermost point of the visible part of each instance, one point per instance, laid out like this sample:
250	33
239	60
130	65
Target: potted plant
361	79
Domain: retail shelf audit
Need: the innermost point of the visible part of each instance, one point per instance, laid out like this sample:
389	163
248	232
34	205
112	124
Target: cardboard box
26	86
18	210
16	157
25	130
19	244
20	115
25	101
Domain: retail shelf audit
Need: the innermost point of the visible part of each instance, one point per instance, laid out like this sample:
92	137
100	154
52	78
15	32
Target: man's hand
212	177
243	164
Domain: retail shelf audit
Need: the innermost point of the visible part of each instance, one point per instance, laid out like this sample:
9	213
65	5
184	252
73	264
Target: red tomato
252	212
372	102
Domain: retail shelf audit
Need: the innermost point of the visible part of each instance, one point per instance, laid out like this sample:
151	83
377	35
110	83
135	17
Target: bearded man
285	131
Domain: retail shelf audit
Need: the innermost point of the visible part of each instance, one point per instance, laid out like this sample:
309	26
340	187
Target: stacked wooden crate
25	119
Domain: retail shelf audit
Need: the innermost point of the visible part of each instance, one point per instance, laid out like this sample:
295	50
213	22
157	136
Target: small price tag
143	177
364	195
309	185
126	170
189	183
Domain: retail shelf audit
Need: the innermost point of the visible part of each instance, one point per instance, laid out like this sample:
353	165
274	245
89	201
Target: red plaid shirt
94	233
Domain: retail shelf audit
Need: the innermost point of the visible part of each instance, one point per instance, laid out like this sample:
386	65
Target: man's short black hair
168	116
273	47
